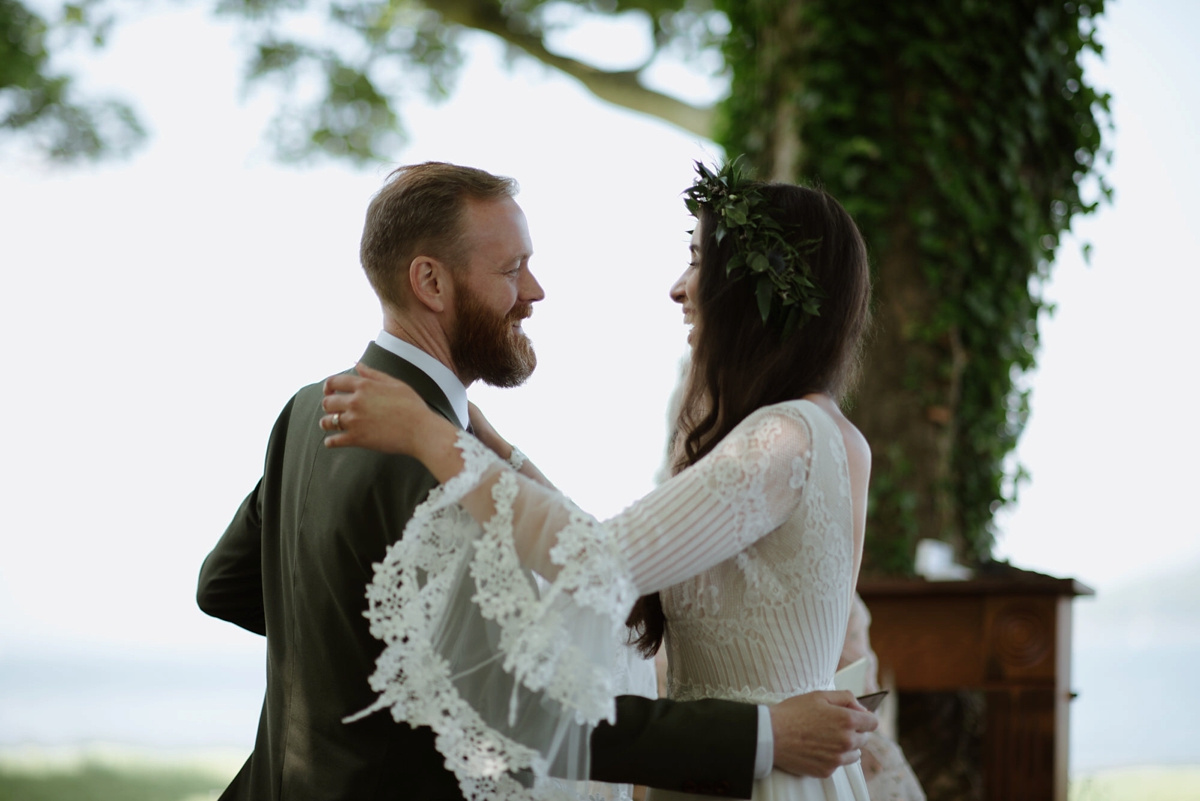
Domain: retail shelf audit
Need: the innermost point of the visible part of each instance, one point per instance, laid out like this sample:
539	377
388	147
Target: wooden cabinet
1007	635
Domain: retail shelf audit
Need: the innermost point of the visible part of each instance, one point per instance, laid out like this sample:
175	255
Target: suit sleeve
230	585
704	747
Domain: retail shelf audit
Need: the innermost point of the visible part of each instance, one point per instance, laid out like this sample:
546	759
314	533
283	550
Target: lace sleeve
738	493
510	675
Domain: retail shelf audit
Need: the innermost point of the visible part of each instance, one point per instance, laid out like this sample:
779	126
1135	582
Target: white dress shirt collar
442	375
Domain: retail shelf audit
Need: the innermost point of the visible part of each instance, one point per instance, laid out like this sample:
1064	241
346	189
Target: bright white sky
158	313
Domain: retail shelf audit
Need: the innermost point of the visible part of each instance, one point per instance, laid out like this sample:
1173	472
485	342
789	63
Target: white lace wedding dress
752	548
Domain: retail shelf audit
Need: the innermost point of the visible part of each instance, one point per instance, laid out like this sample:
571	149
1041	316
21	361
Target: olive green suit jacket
294	565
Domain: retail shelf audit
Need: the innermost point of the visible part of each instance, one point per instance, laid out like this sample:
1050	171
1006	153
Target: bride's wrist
494	442
436	448
501	448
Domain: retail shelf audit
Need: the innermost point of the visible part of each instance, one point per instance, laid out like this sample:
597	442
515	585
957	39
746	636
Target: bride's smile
684	290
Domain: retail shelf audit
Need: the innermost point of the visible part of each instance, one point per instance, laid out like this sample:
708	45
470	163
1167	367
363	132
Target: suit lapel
385	361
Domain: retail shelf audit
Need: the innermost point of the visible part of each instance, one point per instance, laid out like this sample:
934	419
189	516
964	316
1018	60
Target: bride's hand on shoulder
487	434
375	411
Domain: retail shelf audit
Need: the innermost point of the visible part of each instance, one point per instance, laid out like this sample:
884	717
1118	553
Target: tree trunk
905	406
957	135
906	400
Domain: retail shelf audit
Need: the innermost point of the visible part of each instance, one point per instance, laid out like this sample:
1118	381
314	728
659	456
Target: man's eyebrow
519	258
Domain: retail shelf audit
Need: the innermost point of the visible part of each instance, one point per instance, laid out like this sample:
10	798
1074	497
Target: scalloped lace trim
412	588
535	635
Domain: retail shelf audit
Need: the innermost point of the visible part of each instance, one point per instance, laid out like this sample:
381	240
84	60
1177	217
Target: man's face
493	293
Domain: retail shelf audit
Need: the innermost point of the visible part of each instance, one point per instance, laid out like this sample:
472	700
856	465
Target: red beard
488	345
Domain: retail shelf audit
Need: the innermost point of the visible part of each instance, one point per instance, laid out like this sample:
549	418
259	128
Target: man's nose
531	290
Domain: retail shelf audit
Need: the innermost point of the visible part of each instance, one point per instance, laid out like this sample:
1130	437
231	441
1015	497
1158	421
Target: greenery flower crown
783	287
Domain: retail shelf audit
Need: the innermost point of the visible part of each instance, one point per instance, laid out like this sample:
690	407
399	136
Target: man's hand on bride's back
818	732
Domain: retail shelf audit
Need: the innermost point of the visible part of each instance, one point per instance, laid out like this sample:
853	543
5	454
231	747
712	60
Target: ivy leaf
789	325
760	245
764	292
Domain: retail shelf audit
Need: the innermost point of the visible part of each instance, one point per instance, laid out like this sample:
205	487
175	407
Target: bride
744	562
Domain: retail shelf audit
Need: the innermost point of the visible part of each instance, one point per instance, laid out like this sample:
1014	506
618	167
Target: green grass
1139	784
111	773
103	776
96	782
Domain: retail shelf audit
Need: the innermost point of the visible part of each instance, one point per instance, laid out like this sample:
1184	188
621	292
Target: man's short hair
419	212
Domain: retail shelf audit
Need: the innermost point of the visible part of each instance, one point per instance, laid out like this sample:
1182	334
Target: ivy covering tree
39	105
957	132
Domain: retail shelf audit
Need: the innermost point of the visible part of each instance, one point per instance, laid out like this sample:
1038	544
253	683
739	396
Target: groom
447	251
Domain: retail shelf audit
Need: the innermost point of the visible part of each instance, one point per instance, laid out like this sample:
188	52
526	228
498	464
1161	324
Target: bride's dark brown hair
739	364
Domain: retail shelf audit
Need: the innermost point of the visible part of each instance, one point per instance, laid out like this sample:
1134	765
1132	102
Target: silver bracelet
516	459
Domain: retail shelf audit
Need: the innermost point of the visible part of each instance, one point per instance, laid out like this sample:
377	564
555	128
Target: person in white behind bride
746	559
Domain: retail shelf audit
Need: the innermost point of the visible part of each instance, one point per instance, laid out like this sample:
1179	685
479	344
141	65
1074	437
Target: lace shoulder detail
744	469
738	493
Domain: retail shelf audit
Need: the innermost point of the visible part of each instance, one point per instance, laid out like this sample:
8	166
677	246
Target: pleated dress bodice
769	622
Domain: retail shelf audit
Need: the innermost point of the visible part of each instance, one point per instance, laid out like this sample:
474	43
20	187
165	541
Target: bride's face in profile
684	290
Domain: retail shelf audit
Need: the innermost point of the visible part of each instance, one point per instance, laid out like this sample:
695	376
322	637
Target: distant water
158	703
1136	706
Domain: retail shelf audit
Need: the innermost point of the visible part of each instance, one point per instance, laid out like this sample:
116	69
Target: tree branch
620	88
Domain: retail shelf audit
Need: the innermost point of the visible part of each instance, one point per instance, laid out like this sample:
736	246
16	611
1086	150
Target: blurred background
159	309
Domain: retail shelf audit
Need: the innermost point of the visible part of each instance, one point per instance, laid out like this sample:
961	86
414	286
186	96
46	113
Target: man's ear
429	280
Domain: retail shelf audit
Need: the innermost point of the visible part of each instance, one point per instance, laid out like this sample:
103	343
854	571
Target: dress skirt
846	784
